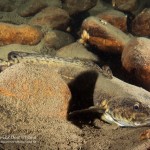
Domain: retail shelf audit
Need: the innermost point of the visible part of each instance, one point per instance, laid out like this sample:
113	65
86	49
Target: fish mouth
123	122
146	122
120	122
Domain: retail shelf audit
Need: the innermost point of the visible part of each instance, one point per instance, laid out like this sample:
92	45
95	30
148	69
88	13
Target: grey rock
76	50
56	39
76	6
7	5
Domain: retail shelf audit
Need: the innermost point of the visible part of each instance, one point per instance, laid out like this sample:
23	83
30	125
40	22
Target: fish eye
136	106
13	56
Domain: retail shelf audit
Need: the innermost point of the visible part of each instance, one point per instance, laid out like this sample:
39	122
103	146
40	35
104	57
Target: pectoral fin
90	109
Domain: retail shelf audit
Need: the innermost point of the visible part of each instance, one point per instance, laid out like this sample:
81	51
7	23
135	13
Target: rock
76	50
27	87
125	5
31	7
132	6
13	17
100	7
41	134
54	3
7	5
75	6
115	18
145	135
19	34
136	59
56	39
141	23
34	106
51	17
103	35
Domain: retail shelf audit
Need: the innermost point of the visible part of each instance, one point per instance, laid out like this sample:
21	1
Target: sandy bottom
99	135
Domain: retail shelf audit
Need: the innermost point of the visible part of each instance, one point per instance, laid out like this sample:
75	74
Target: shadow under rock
82	89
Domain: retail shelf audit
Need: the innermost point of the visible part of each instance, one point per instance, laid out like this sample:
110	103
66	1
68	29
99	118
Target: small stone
57	39
141	23
7	5
54	3
115	18
76	50
145	135
19	34
31	7
51	17
104	36
13	18
35	89
125	5
136	59
76	6
101	6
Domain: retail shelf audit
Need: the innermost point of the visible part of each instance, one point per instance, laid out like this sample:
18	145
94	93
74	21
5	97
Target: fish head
127	111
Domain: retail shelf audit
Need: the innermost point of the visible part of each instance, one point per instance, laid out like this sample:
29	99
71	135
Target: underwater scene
74	74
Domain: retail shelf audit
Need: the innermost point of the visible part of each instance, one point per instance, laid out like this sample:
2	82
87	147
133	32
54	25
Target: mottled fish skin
122	111
17	57
126	111
120	105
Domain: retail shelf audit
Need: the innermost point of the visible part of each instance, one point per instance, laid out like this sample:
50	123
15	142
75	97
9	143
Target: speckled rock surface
141	23
40	133
33	110
27	87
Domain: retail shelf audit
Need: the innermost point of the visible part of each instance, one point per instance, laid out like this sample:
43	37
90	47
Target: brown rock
100	7
35	89
19	34
115	18
76	6
51	17
6	5
141	23
132	6
125	5
103	35
136	58
145	135
31	7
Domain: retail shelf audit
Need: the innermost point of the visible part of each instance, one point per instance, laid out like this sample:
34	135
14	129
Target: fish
118	102
122	111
